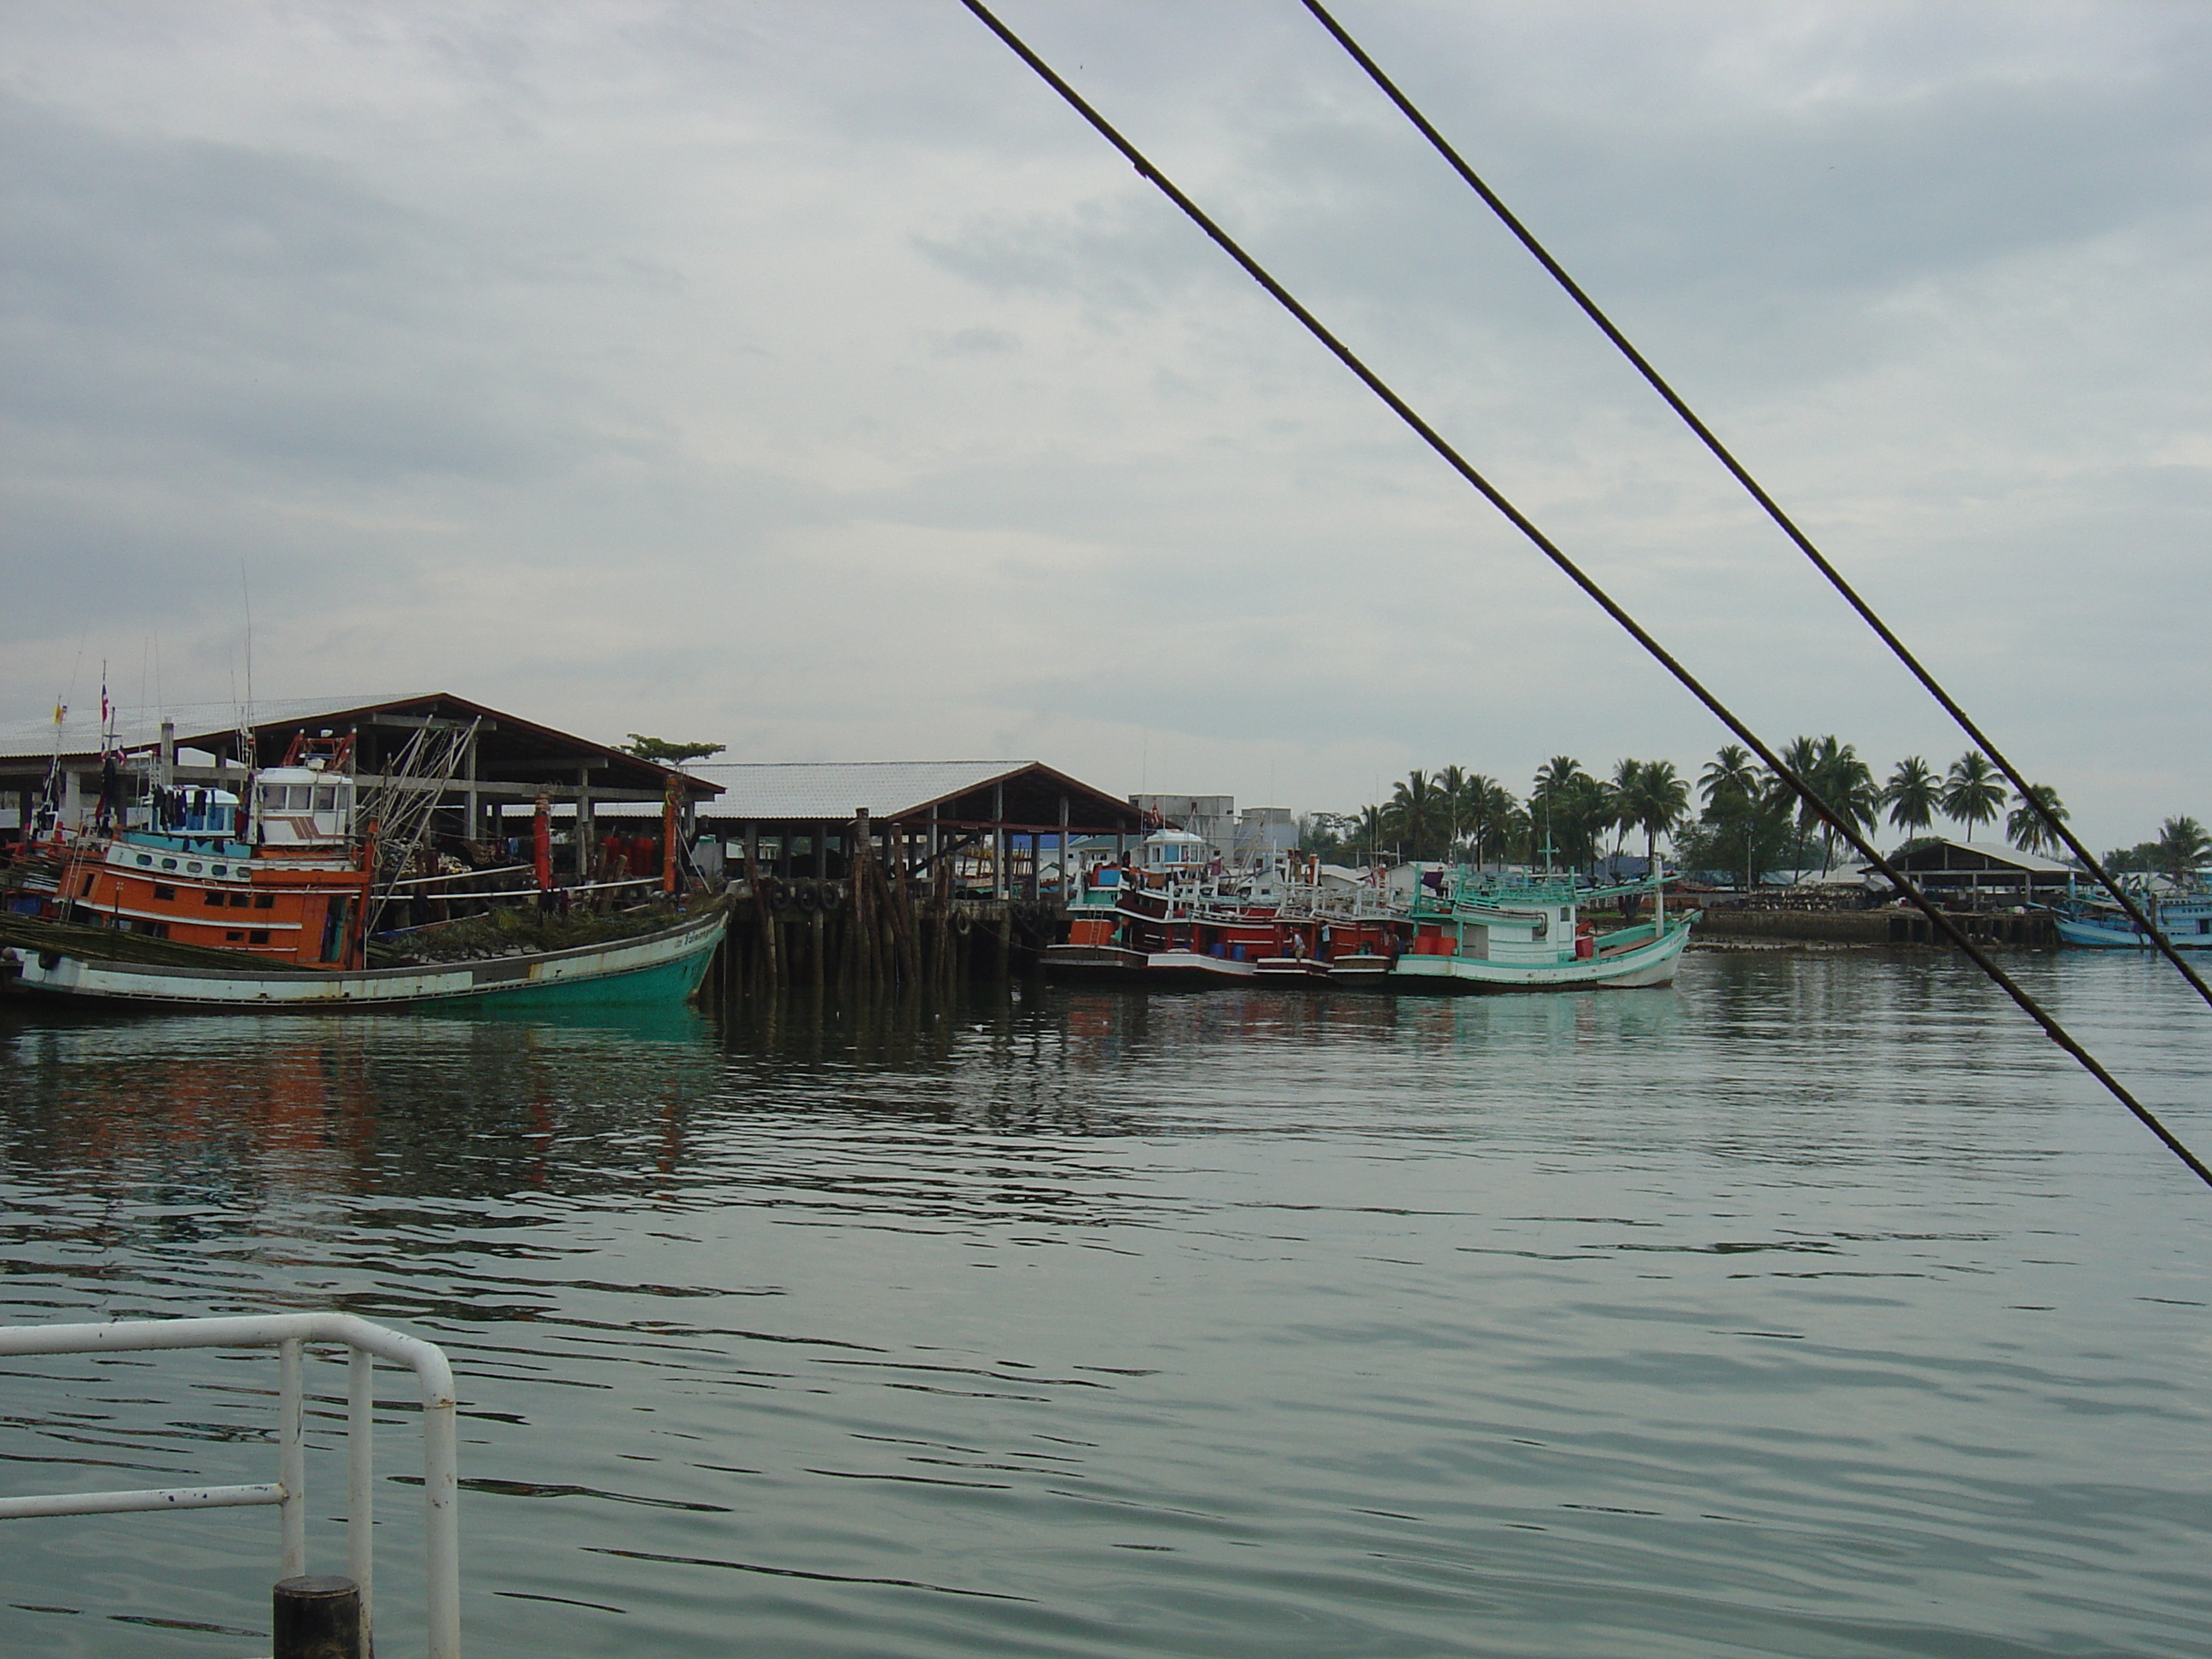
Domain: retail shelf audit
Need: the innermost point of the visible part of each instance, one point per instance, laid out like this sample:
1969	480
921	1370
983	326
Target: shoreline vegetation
1736	821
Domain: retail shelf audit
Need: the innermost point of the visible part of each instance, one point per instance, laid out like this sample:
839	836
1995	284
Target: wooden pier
871	933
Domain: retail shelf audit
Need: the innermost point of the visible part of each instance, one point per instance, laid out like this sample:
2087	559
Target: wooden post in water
860	855
999	840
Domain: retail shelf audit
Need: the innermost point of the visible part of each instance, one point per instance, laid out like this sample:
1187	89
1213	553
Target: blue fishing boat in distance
2184	919
1487	933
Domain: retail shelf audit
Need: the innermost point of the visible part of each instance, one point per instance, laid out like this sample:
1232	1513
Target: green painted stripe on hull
663	981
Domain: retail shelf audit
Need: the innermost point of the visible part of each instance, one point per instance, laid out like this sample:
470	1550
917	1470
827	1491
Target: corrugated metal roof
137	728
838	789
1998	851
2010	855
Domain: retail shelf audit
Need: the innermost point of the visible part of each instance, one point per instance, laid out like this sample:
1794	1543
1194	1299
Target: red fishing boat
1279	925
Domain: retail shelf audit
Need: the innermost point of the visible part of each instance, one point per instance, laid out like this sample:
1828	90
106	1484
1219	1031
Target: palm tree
1474	808
1494	816
1846	786
1372	831
1971	794
1913	795
2033	824
1551	801
2182	846
1840	782
1658	801
1451	783
1735	791
1802	758
1415	813
1730	776
1621	795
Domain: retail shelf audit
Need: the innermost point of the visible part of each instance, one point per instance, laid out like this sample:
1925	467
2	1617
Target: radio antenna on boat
2031	796
1846	830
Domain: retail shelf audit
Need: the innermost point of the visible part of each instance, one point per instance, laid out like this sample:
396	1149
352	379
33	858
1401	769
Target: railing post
289	1334
360	1478
291	1458
441	1523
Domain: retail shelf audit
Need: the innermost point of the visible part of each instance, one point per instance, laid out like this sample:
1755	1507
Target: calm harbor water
1814	1306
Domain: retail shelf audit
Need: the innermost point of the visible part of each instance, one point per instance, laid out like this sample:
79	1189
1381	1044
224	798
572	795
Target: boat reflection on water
634	1022
1165	1313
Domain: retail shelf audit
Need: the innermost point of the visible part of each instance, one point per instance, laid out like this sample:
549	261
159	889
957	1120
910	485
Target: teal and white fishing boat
664	966
1487	933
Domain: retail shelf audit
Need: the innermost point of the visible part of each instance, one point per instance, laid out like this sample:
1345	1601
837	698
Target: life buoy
832	896
809	897
962	922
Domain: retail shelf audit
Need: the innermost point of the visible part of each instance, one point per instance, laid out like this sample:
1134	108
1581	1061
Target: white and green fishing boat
1490	934
663	964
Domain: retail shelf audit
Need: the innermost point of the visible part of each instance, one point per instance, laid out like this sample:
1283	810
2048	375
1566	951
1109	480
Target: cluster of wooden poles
872	932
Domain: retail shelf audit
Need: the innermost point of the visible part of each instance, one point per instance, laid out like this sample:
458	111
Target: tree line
1736	816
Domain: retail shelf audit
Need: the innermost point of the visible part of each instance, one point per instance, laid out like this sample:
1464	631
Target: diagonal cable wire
1757	493
1804	791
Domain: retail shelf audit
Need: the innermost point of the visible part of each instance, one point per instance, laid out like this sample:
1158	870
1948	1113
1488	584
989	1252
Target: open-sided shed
1003	817
497	759
1946	865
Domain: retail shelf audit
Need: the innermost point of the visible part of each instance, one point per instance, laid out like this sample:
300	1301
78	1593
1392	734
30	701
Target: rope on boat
1773	510
1436	441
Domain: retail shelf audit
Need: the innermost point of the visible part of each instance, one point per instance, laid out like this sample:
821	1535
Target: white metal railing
289	1334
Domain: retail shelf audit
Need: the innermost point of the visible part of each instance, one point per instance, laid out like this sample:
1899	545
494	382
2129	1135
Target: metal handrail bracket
289	1334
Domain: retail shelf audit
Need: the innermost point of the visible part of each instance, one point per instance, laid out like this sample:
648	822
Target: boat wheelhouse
280	878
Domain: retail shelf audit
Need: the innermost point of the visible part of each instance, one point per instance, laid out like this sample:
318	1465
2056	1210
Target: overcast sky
807	377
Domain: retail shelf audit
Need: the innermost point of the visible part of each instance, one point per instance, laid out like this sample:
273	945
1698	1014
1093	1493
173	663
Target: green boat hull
663	967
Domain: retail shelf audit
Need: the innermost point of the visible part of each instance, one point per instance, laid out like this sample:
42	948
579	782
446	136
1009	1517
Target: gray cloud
807	375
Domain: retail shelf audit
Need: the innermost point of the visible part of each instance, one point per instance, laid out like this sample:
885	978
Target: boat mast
49	817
